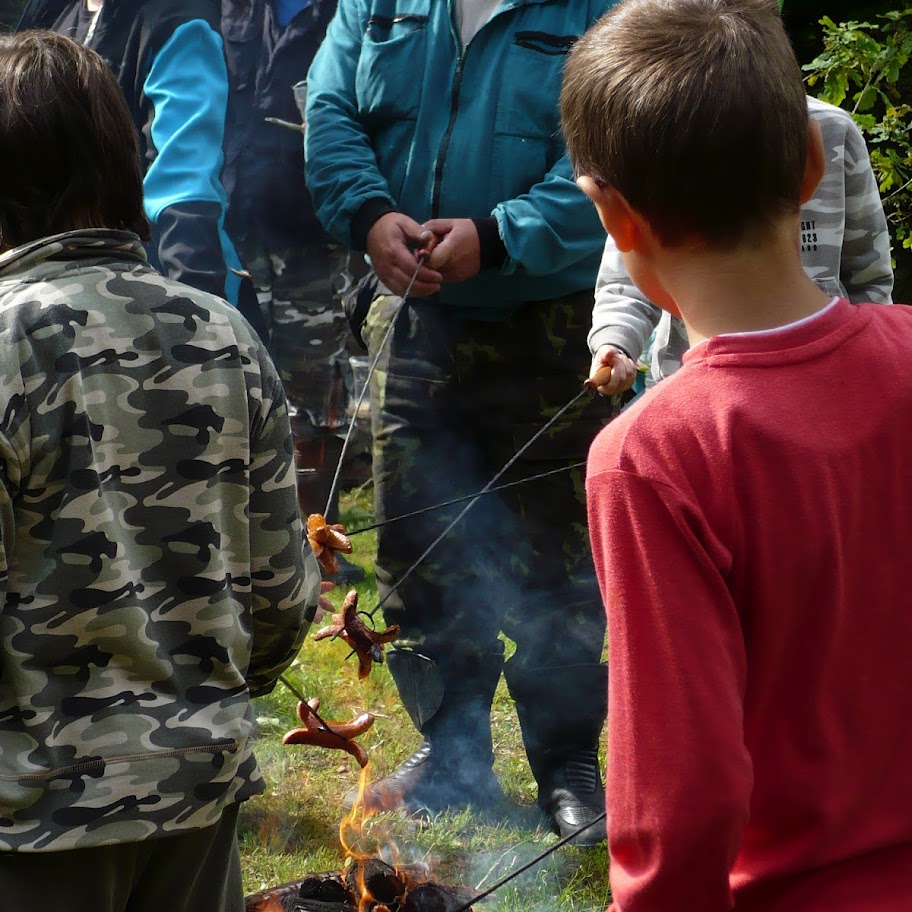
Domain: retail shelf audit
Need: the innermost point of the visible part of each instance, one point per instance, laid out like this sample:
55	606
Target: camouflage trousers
299	291
193	871
451	402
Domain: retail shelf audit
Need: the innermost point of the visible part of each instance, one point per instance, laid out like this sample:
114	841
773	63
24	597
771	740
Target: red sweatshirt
751	521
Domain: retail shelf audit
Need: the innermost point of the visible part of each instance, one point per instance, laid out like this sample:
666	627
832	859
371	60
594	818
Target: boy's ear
815	164
620	221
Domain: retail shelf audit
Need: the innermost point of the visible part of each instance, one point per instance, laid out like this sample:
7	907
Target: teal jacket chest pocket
528	101
388	79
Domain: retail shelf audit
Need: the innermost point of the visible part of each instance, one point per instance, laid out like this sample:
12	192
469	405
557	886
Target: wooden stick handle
599	378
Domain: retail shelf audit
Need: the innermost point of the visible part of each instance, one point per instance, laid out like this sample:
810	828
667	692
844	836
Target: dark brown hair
694	111
68	152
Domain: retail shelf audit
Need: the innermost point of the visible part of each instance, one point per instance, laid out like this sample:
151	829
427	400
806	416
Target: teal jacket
400	117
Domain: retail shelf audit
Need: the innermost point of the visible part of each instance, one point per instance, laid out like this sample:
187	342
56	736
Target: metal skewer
542	430
422	259
294	690
302	699
530	864
465	497
290	125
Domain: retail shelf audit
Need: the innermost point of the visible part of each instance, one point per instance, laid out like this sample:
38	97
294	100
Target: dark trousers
452	401
299	290
197	871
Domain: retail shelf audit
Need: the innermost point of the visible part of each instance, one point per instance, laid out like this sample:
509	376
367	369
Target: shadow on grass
284	832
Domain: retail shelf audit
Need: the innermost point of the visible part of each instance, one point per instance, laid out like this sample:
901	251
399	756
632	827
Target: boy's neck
758	285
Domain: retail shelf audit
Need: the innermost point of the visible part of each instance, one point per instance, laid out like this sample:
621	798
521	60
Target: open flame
358	844
375	853
374	879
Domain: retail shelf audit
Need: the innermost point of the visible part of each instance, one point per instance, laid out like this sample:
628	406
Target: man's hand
394	243
623	371
457	256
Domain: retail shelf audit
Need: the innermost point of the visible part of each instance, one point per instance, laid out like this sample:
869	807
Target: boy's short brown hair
68	151
694	111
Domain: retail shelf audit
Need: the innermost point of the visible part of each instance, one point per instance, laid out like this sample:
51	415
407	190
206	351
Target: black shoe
419	785
574	796
392	791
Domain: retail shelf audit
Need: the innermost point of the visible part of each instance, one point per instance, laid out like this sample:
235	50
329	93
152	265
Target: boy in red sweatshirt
751	517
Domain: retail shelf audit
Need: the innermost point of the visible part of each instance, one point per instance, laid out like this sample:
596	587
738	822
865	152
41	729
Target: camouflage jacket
153	570
845	249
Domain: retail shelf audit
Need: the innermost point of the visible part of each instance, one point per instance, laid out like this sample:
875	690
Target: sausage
326	540
332	735
318	737
357	726
368	644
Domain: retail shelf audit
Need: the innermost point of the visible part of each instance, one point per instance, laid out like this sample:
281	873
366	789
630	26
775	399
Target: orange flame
360	845
355	840
352	830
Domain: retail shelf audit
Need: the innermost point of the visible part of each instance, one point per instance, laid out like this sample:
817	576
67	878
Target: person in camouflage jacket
154	574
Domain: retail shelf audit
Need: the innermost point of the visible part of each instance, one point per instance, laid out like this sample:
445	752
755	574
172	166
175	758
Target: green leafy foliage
864	68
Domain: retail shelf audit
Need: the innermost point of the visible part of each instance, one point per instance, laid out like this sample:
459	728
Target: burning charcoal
325	889
377	878
432	898
385	887
414	874
314	893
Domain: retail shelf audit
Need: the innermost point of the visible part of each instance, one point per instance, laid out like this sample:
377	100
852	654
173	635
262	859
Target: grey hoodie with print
845	249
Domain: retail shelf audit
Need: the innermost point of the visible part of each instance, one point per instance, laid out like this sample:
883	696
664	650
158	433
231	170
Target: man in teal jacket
434	120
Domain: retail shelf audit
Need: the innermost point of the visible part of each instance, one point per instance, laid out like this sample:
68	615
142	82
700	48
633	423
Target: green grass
293	829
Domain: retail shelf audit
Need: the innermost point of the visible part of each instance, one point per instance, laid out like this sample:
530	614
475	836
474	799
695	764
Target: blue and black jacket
169	60
401	117
264	163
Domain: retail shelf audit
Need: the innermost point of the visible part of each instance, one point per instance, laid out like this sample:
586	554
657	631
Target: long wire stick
530	864
422	259
456	500
287	682
477	497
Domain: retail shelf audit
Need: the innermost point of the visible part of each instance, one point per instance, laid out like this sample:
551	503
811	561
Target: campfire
367	883
371	885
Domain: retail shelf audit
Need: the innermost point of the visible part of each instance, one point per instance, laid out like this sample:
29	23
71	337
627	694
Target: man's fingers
416	235
615	385
402	260
441	254
439	227
428	244
424	289
427	281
